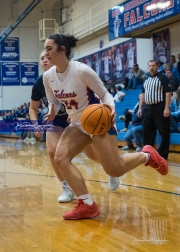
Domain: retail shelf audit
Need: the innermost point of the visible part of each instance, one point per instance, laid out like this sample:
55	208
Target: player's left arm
92	80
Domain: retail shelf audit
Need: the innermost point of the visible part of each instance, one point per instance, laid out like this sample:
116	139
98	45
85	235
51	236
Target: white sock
147	155
65	186
86	198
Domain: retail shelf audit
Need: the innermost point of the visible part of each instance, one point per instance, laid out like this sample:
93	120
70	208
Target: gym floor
143	214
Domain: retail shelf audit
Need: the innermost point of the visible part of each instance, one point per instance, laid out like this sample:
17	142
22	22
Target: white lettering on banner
9	55
135	16
134	3
130	18
167	13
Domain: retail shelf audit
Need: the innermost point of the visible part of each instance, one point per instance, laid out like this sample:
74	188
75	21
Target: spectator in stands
174	108
109	84
127	115
39	114
17	112
160	66
13	115
134	133
113	91
119	94
173	61
8	116
173	69
175	105
21	112
136	77
5	115
173	129
44	110
173	80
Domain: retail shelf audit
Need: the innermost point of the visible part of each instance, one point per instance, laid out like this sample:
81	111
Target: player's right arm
36	96
33	110
92	80
34	105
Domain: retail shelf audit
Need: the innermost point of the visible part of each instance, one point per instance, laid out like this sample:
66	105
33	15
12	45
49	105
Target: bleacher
129	102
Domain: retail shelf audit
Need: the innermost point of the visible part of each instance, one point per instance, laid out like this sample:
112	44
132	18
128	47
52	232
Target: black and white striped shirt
155	87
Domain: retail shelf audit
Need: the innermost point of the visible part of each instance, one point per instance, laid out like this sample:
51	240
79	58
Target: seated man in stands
136	77
119	94
173	61
173	70
134	133
109	84
173	80
113	91
127	115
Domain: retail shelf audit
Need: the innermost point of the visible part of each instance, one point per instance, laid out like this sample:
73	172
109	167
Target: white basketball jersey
74	92
97	68
118	62
130	55
106	65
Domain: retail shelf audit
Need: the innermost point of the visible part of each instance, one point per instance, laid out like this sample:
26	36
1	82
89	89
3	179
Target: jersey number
71	104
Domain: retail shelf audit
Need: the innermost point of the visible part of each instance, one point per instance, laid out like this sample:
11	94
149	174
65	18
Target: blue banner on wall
29	73
10	73
135	14
10	49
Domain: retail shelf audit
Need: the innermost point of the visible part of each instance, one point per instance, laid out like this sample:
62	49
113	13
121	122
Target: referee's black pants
154	119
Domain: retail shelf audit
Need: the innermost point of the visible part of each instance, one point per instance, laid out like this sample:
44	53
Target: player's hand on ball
96	119
113	113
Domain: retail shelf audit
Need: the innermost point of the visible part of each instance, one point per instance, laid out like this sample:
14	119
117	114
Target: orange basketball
96	119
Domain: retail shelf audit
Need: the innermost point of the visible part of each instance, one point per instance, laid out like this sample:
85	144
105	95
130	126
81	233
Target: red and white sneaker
82	211
155	160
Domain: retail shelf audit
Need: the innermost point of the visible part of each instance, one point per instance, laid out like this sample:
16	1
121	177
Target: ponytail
68	42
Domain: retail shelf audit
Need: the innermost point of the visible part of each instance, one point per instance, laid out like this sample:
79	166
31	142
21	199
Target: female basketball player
53	136
74	84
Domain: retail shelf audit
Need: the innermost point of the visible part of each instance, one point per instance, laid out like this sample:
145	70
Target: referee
156	94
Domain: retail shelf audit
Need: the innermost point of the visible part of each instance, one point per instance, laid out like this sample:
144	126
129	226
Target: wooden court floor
143	214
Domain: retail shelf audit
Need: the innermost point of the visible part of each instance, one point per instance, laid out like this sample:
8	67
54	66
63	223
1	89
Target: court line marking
97	181
140	187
